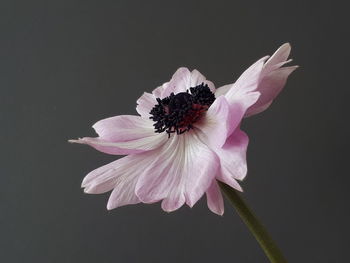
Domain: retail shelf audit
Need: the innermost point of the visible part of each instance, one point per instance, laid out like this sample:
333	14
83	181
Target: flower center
178	112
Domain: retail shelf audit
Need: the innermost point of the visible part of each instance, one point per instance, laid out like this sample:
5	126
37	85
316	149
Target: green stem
255	227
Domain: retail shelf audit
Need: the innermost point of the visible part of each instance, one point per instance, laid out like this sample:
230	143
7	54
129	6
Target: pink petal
159	91
280	56
124	135
181	171
202	165
272	80
223	118
238	107
145	104
216	124
124	128
269	87
123	194
223	90
152	187
173	202
268	78
121	176
183	79
178	83
147	101
127	147
229	181
215	201
197	78
248	81
233	159
114	172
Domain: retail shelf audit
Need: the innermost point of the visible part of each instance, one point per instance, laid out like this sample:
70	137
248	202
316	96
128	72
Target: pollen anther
177	112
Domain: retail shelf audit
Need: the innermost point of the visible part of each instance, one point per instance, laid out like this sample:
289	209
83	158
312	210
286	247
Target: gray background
66	64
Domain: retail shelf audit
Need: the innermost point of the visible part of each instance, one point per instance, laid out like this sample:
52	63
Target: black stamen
177	112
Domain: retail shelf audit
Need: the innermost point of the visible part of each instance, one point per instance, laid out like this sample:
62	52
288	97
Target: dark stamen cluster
178	112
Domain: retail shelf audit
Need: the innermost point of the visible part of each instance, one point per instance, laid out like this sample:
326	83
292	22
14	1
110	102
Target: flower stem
256	228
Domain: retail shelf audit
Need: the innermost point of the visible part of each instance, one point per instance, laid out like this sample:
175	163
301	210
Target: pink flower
186	138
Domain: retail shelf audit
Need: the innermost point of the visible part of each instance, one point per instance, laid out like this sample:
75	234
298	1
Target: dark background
66	64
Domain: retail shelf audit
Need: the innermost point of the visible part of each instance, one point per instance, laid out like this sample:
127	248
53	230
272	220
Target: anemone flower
186	138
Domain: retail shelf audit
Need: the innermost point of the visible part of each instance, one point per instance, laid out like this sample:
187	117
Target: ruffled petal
215	201
268	78
233	159
269	87
272	79
180	172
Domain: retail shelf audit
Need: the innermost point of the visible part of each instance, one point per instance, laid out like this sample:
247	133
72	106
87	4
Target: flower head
186	138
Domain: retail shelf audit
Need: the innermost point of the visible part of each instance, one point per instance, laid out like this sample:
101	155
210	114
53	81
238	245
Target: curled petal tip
79	140
286	46
84	184
109	207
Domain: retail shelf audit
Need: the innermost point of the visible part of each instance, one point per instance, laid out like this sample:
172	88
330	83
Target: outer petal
123	194
124	135
128	147
229	181
233	159
181	172
124	128
280	56
248	81
214	199
272	79
267	78
270	86
120	175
